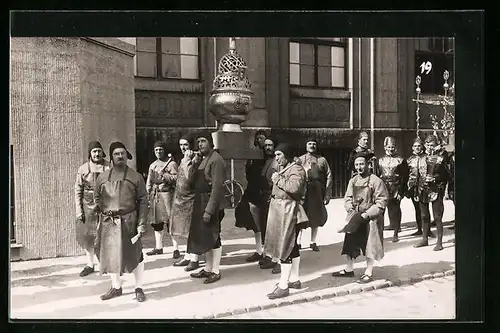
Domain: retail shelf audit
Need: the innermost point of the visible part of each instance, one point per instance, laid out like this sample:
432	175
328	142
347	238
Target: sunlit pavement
51	288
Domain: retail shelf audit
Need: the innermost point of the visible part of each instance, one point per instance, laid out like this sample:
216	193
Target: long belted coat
160	185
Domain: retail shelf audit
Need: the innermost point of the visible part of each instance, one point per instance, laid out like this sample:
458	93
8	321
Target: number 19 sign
425	66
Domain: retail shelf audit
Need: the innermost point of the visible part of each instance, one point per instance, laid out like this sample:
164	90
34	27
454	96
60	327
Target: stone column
65	92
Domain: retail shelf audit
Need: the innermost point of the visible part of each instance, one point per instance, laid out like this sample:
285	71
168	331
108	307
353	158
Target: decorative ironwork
232	71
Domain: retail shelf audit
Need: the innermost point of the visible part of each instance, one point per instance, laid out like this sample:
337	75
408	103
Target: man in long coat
182	209
204	233
162	176
122	202
319	189
285	213
393	171
86	215
367	195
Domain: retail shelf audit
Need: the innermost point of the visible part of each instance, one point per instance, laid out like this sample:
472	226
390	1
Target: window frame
316	42
432	52
159	63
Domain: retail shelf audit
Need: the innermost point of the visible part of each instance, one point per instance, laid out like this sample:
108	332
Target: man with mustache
319	189
122	202
86	215
160	186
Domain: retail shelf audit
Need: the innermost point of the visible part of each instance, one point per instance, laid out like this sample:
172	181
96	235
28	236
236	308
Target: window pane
324	55
146	44
170	45
189	45
294	74
189	67
146	64
338	77
324	76
294	53
171	66
306	75
332	39
338	57
307	54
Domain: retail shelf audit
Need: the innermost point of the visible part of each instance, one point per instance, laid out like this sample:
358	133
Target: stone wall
65	92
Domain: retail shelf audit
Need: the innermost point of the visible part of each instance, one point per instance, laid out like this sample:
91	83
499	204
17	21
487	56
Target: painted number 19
426	66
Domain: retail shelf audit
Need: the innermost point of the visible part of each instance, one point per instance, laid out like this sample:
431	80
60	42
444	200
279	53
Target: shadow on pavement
44	270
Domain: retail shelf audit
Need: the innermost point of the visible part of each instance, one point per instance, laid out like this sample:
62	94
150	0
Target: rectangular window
432	57
318	62
168	58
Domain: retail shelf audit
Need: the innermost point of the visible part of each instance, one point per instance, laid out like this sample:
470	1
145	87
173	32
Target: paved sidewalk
51	289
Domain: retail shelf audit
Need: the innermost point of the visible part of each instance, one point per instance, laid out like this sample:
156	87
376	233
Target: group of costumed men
284	196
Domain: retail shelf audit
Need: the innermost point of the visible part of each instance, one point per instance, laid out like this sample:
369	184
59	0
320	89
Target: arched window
318	62
168	58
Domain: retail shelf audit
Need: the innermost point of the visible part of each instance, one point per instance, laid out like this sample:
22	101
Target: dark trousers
295	251
394	212
437	211
418	214
221	216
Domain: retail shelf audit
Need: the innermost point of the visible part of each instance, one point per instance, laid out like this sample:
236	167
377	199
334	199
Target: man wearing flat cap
367	195
319	189
86	215
204	233
122	202
160	185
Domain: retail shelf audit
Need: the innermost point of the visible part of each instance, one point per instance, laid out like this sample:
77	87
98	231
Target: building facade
140	90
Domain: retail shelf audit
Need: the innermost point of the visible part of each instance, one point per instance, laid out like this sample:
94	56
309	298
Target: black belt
115	213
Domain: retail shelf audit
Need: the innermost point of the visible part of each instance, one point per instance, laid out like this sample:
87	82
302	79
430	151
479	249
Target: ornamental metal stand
447	123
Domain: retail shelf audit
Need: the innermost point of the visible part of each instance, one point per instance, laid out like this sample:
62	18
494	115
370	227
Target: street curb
312	297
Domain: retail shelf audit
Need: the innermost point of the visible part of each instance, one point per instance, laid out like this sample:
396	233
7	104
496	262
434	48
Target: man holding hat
160	186
285	214
86	215
204	233
182	208
319	189
122	202
365	198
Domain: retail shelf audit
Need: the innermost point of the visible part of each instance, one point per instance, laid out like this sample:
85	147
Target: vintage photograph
232	178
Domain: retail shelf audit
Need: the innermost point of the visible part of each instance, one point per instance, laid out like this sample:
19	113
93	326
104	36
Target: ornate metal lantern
231	97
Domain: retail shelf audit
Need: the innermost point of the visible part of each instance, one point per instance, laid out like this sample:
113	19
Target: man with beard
86	215
319	189
160	186
182	209
366	197
433	177
362	147
204	233
248	211
122	202
285	214
393	170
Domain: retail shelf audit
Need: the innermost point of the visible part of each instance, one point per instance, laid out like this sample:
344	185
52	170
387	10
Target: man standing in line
319	189
362	147
122	202
182	208
204	233
160	186
86	215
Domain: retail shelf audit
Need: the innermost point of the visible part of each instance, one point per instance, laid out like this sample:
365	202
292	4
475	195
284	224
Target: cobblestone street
432	299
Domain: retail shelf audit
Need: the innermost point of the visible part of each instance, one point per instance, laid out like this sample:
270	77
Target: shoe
87	270
139	295
267	265
431	234
201	274
182	263
395	239
295	285
176	254
254	257
154	252
192	266
438	247
314	247
112	293
422	243
212	278
417	233
276	269
365	279
264	261
279	293
343	273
